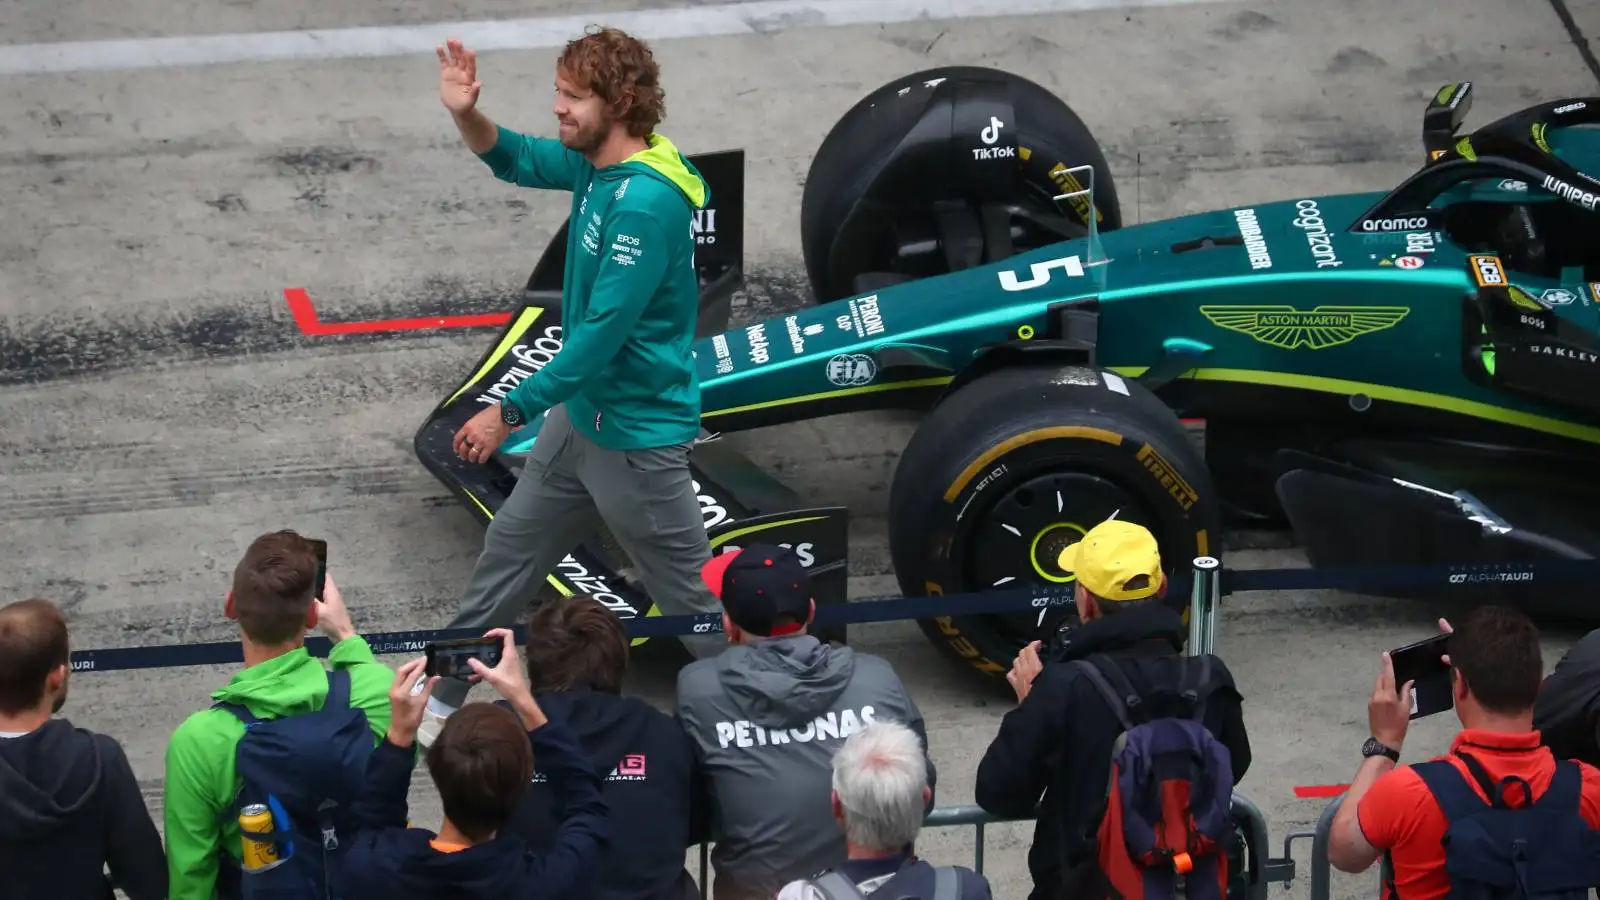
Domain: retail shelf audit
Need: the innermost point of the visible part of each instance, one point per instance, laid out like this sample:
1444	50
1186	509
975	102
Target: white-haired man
880	797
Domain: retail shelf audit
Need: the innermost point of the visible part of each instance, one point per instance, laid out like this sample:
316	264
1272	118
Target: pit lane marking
545	32
305	318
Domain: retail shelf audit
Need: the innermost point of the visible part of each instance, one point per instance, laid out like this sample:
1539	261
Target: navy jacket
392	862
652	789
70	808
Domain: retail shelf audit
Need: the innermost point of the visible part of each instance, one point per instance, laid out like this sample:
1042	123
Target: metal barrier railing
1260	869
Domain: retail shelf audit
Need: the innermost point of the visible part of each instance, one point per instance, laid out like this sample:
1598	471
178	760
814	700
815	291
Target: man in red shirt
1496	670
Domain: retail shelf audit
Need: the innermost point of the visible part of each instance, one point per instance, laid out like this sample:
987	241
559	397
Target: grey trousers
568	487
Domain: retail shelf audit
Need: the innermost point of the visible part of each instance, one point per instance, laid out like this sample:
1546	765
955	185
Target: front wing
740	502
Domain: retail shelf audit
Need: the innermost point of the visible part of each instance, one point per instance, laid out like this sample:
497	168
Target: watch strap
1375	747
511	413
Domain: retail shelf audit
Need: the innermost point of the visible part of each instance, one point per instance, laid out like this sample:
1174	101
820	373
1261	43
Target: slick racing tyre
1012	469
894	164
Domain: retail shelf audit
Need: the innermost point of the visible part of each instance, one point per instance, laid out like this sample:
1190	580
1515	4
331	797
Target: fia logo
852	369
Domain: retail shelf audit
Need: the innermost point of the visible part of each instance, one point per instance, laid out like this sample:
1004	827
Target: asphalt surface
161	409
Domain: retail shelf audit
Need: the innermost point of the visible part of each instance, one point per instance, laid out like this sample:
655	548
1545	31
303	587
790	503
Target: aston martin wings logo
1290	328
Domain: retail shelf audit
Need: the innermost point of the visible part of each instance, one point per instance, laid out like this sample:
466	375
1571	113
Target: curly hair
622	71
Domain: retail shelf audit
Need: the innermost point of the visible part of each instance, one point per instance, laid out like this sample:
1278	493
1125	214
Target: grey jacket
766	719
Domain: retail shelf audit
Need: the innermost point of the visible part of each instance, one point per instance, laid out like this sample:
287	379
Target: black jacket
1568	706
69	807
652	788
1058	741
389	861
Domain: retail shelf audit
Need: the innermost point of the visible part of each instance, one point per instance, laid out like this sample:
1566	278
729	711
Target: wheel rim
1014	540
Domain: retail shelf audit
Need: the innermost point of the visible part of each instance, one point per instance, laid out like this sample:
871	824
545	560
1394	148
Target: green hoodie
629	298
200	774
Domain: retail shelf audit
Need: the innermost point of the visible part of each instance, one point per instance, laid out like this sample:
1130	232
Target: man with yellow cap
1059	739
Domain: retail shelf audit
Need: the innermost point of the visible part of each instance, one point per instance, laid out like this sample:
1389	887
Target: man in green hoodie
621	401
273	600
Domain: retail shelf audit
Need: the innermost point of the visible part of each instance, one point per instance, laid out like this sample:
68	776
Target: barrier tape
1360	578
860	611
896	609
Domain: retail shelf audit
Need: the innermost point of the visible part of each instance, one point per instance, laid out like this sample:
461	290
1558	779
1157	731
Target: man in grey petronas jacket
767	715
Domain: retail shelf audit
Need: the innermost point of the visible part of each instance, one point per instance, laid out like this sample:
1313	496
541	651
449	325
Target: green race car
1402	376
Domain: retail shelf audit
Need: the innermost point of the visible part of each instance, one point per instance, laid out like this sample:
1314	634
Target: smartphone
449	658
321	549
1420	662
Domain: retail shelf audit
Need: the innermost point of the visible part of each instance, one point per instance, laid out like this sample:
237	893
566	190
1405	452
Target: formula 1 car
1405	376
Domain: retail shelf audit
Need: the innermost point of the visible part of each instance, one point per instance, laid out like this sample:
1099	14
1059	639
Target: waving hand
458	77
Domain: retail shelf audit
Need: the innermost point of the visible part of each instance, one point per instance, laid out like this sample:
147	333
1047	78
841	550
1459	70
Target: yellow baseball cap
1110	555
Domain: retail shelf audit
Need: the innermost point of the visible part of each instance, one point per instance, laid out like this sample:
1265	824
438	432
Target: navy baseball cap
757	585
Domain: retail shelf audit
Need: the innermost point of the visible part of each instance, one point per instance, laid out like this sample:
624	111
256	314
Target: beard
588	137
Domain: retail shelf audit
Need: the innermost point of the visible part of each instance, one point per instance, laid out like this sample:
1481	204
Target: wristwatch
510	413
1374	747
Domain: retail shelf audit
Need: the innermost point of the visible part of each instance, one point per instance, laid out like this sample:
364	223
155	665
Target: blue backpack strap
239	711
1566	787
1450	789
338	690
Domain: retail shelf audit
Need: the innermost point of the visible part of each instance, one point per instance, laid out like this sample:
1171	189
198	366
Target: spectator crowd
803	764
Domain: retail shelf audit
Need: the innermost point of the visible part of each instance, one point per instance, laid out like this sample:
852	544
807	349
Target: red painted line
1304	791
305	318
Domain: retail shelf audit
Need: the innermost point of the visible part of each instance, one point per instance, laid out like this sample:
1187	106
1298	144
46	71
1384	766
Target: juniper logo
1290	329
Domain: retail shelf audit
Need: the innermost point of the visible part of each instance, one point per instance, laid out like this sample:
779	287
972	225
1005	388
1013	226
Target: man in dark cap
766	717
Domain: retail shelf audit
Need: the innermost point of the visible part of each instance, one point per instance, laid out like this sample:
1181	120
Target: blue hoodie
630	299
392	862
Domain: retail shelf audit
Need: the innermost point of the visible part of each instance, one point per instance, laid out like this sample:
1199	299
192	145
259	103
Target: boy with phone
280	589
482	763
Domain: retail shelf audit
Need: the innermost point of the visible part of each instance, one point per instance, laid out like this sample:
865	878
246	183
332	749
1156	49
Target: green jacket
629	297
200	775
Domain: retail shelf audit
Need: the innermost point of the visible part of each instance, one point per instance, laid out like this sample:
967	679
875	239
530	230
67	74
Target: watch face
510	414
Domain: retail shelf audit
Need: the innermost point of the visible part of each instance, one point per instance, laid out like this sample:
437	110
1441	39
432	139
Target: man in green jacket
621	401
272	599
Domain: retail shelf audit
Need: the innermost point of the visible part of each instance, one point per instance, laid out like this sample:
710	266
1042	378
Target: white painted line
762	17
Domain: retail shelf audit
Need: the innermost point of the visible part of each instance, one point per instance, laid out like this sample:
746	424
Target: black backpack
1543	850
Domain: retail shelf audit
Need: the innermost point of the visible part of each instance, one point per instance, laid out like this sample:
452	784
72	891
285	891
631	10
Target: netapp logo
1571	192
1488	577
1414	223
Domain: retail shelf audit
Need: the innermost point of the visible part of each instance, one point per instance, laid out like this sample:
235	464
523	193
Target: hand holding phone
507	678
408	697
1424	663
448	659
320	548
